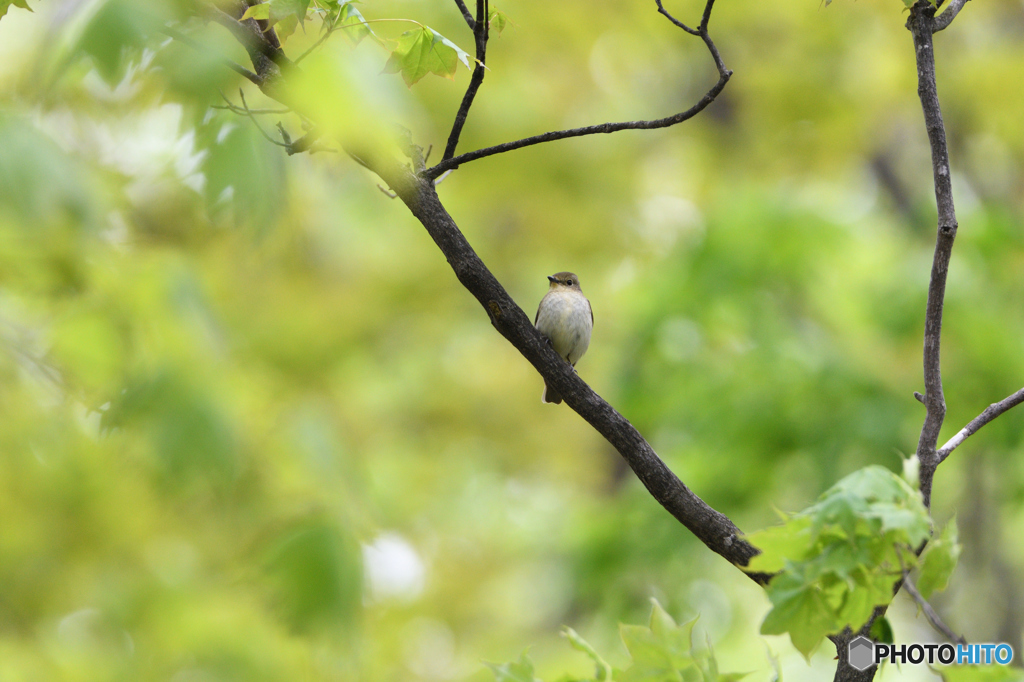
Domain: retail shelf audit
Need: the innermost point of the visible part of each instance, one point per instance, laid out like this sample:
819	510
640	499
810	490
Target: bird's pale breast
565	318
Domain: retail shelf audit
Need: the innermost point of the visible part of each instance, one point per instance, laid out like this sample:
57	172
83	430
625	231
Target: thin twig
990	413
661	10
235	109
452	162
481	29
947	17
318	43
457	161
921	24
926	608
466	15
237	68
245	106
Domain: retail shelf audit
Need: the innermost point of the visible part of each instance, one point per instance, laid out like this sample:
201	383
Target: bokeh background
252	428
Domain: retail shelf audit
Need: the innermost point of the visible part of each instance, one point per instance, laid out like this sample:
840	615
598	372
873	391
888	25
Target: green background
252	427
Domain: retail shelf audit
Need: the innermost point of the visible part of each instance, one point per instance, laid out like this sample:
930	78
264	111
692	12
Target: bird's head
564	280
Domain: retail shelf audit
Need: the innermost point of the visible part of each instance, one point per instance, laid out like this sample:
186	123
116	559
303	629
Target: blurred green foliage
253	428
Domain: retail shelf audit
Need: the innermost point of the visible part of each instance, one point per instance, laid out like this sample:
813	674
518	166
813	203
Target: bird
565	318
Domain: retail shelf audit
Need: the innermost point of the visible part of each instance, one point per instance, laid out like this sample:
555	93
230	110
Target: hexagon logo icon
862	653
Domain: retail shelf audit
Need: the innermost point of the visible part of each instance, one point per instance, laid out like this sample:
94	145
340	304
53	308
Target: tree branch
926	608
921	24
267	58
990	413
713	528
947	17
450	163
185	40
661	10
465	13
481	29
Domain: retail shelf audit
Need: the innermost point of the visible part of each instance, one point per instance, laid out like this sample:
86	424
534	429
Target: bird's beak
551	279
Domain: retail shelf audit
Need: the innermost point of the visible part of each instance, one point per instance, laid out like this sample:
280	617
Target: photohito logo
863	653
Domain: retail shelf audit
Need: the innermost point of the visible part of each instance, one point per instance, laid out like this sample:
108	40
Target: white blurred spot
394	570
88	629
665	218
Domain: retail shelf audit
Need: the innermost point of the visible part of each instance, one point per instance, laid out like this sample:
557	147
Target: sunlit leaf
422	51
514	671
497	21
799	608
353	23
603	671
938	561
7	4
259	12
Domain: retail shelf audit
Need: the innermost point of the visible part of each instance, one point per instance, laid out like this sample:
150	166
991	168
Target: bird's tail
550	395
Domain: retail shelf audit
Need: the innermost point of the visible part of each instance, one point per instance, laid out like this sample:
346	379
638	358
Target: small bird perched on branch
566	319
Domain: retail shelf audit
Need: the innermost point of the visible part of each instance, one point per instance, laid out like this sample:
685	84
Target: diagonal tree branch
237	68
466	15
415	186
990	413
947	17
481	29
724	74
926	608
265	53
713	528
921	24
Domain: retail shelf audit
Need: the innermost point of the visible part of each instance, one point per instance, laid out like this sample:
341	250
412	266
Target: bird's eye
568	282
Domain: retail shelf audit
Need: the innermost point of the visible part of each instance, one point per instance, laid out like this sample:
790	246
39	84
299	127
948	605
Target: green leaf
422	51
283	9
316	574
459	52
244	173
353	23
496	21
276	11
881	631
779	543
517	671
859	602
938	561
604	670
838	555
259	12
660	651
800	609
286	27
7	4
979	673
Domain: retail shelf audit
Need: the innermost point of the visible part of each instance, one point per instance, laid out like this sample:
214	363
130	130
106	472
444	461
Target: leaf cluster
660	652
841	557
